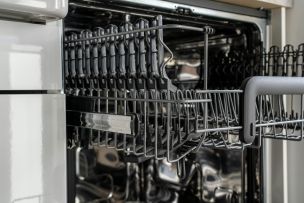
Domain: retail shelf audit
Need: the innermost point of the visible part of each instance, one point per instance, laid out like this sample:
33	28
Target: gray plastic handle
262	85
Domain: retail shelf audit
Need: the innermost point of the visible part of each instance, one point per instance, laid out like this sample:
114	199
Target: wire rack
276	120
157	126
286	62
119	96
172	126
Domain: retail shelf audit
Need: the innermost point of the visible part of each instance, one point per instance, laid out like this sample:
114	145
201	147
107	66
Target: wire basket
281	117
152	125
172	126
132	106
120	96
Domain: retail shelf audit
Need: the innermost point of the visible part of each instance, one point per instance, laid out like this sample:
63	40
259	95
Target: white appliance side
284	164
30	56
40	9
295	150
33	149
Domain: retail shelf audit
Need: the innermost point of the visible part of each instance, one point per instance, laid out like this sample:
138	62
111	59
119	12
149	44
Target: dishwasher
165	103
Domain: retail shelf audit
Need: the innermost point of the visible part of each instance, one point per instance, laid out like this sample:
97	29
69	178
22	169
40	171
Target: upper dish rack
119	95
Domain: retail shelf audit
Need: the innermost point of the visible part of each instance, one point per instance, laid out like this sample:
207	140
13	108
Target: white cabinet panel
295	150
30	56
34	9
33	148
261	3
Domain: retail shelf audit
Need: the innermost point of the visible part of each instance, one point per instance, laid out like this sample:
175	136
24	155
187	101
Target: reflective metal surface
209	176
261	23
33	149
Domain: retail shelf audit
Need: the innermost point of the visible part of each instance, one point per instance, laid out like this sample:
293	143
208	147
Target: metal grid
172	128
120	97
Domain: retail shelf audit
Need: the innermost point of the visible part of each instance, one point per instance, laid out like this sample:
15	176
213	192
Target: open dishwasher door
33	146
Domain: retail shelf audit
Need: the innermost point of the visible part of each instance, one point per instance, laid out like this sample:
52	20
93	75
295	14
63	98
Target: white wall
294	23
295	151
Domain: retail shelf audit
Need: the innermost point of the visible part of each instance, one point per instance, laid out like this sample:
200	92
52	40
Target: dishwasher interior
155	99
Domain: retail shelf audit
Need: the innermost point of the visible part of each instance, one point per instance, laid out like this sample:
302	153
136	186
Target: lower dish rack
173	124
120	96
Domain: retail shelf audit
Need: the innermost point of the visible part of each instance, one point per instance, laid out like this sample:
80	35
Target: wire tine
302	117
177	122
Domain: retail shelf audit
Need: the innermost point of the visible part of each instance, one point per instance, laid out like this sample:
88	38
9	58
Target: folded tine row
119	94
105	59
